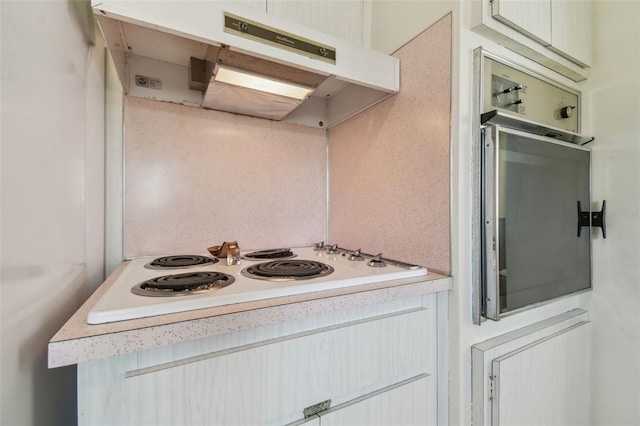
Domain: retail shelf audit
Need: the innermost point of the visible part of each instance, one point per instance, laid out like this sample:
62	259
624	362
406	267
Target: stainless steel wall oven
533	181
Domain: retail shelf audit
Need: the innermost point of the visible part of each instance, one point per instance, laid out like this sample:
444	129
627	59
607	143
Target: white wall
52	197
613	115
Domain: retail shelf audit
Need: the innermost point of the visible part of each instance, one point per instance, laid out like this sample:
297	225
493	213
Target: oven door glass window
531	248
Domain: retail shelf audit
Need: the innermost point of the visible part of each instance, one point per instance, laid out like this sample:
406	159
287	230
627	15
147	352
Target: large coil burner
279	253
287	270
183	284
180	262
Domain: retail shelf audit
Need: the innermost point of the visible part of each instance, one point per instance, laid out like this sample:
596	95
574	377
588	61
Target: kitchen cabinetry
545	383
571	30
554	33
395	405
539	374
347	20
372	361
531	18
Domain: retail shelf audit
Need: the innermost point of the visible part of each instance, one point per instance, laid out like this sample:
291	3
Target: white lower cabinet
377	365
537	375
393	405
546	382
397	406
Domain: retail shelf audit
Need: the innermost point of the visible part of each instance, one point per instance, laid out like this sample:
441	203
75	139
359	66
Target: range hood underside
155	64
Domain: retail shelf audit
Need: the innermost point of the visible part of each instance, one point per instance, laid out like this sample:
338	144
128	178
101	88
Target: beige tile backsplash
195	178
390	166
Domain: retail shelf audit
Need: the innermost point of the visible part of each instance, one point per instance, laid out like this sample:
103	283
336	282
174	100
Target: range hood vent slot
173	52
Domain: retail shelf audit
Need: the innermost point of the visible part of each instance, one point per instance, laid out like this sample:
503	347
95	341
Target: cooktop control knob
566	112
319	246
332	249
377	262
356	255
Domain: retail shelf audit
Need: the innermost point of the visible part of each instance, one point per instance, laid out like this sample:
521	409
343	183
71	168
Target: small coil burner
287	270
183	284
180	261
280	253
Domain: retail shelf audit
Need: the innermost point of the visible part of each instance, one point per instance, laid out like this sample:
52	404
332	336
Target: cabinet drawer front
400	406
272	382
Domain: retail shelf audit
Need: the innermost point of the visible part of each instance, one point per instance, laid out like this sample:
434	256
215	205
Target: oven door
532	248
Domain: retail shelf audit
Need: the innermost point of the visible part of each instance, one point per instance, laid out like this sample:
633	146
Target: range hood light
248	80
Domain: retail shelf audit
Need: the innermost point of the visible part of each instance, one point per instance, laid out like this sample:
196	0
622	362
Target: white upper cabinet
532	18
554	33
344	19
257	4
571	30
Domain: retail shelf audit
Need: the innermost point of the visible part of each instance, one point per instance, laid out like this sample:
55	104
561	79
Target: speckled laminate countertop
78	341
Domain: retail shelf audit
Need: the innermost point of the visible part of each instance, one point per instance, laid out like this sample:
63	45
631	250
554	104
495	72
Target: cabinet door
571	30
546	382
411	403
530	17
272	382
343	19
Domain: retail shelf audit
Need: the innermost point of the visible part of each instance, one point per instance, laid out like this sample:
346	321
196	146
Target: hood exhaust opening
241	78
246	101
235	90
242	84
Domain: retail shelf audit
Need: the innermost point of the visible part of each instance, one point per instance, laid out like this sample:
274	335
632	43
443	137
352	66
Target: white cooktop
119	303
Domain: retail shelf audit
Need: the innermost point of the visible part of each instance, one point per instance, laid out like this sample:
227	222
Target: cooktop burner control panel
518	91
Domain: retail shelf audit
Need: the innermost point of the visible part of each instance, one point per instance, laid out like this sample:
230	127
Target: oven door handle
592	219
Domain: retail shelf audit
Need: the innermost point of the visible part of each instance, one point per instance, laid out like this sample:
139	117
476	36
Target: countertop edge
78	342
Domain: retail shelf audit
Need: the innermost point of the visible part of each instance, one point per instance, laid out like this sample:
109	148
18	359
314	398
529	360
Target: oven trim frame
490	304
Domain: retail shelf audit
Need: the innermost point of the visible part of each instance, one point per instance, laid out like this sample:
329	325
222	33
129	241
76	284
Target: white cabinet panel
101	400
256	4
546	382
273	381
547	359
571	30
530	17
564	26
403	405
553	33
309	421
271	373
343	19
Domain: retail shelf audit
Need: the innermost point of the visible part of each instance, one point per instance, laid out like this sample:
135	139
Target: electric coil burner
287	270
180	262
280	253
183	284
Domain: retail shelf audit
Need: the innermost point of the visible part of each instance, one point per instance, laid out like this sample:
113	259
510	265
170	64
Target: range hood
201	53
